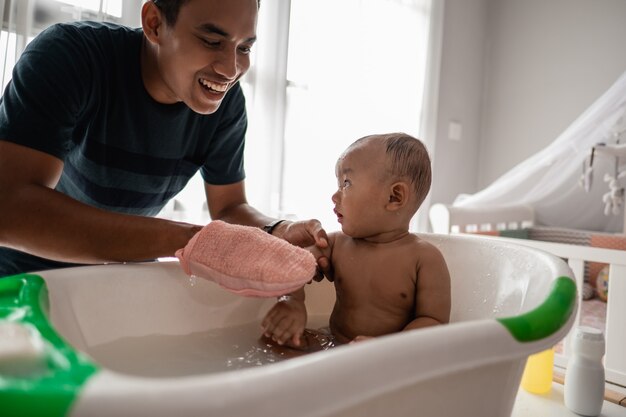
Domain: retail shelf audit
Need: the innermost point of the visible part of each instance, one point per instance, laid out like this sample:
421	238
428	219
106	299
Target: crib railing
615	327
448	219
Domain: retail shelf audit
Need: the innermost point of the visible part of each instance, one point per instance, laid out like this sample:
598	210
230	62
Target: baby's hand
285	322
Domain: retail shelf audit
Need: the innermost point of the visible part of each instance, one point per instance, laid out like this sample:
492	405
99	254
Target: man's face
206	52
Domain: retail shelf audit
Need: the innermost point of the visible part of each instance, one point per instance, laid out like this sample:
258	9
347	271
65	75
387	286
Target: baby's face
362	190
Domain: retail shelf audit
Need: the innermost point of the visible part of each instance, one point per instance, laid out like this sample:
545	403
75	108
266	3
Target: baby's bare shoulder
426	252
420	245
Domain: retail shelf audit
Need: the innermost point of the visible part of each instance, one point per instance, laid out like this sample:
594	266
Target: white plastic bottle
584	377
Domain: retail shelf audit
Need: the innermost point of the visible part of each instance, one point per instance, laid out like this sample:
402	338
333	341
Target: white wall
455	163
516	73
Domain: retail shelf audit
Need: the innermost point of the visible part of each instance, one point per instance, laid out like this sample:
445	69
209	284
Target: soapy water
215	350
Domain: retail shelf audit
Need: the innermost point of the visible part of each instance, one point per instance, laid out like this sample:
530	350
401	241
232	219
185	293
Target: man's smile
213	86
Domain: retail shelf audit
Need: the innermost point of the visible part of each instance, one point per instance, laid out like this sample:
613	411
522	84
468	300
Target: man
103	124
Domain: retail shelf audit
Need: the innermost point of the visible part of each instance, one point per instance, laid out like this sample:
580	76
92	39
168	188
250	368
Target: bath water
216	350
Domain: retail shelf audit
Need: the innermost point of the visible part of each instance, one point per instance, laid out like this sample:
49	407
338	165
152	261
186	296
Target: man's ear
151	21
399	193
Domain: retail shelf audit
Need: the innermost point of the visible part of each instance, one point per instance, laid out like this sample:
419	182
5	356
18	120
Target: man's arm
229	203
36	219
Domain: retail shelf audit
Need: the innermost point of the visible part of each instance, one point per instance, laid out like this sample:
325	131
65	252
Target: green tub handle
549	317
51	391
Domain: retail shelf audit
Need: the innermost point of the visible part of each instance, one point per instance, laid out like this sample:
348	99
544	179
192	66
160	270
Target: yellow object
537	377
602	284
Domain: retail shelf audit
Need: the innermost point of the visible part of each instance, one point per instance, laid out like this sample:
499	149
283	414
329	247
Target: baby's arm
432	297
285	321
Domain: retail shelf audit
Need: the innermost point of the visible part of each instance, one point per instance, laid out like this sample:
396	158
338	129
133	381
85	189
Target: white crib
447	219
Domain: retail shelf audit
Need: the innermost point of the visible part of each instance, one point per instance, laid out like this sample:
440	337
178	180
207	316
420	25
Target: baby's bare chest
387	277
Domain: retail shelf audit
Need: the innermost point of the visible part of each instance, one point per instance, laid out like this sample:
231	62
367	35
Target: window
111	8
22	20
352	72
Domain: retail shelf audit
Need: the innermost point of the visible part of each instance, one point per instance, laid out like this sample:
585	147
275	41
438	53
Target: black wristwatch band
269	228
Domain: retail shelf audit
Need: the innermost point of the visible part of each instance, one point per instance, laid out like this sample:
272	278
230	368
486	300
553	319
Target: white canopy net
566	185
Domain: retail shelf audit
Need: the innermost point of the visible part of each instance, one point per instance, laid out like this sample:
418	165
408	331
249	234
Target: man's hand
309	234
303	233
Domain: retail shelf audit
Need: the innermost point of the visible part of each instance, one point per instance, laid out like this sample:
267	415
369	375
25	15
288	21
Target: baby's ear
399	193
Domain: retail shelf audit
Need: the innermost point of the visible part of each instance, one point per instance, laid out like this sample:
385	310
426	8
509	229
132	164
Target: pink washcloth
246	260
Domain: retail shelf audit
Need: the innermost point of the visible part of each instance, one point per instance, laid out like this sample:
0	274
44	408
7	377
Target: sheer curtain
22	20
551	179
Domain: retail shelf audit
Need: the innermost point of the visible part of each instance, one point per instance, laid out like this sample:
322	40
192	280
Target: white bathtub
150	334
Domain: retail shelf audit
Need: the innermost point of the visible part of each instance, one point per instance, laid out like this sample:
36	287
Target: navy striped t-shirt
77	94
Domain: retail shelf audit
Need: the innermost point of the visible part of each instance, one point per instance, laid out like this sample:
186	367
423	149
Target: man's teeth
213	86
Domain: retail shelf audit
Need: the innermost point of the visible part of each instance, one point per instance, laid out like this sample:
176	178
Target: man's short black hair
170	9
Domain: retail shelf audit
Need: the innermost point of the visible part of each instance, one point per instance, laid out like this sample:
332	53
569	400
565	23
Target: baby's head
383	179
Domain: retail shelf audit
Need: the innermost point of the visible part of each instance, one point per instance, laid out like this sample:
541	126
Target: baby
386	278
